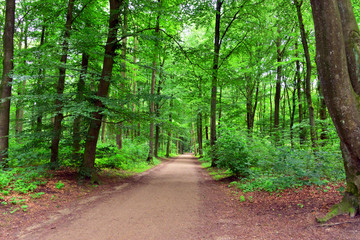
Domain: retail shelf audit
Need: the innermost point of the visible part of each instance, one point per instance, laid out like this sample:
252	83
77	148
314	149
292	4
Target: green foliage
283	167
59	185
232	152
272	168
21	179
132	156
37	195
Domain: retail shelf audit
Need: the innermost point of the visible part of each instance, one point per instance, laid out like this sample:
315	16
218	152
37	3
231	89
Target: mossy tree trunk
337	44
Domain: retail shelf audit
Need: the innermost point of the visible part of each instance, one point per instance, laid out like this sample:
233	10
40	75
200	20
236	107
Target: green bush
132	155
232	152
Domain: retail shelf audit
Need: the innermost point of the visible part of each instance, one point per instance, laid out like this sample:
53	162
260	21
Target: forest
266	91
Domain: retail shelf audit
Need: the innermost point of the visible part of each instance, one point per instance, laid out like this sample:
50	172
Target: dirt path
179	200
164	204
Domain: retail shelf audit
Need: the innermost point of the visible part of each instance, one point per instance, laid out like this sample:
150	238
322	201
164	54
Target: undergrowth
261	166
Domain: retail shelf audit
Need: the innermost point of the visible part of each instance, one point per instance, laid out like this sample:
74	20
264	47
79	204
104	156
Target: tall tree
305	44
152	89
59	102
5	87
214	80
87	168
338	50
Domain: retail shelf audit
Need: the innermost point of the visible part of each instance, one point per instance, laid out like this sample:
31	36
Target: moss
349	205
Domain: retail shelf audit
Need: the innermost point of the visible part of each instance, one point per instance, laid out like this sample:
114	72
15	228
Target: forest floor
175	200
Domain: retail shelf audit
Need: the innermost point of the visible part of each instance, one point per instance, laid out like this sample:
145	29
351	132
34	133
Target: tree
308	73
87	168
61	85
152	89
338	50
5	87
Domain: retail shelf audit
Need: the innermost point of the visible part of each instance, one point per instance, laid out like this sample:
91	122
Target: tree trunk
308	75
40	83
277	92
302	133
87	168
337	37
152	91
76	155
323	117
214	83
19	113
169	132
5	87
157	109
60	87
206	127
103	133
124	29
251	103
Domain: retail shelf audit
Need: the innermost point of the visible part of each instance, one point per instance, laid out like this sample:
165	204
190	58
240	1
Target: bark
277	88
103	133
169	131
199	134
333	32
87	168
292	108
308	74
19	114
157	109
119	135
220	106
152	92
40	82
214	82
302	133
76	155
323	117
60	87
206	127
5	87
251	103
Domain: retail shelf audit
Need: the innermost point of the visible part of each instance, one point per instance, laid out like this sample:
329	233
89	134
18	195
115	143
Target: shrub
232	152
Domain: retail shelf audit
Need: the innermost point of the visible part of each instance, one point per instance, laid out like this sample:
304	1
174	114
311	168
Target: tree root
346	206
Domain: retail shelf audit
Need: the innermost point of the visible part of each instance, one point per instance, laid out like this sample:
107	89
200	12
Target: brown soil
176	200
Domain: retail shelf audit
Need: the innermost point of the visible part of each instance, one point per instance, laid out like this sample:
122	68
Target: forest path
179	200
165	203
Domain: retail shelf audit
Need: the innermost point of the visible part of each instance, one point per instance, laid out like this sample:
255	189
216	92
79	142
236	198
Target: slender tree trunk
214	82
278	91
157	109
251	103
103	133
271	111
220	106
60	87
124	29
87	168
337	42
323	116
169	131
5	87
206	127
19	113
152	91
308	75
40	83
79	98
